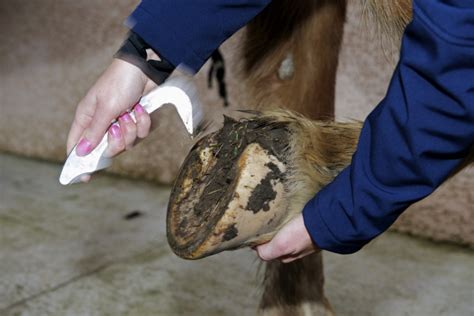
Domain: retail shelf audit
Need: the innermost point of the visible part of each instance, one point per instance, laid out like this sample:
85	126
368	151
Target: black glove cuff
133	50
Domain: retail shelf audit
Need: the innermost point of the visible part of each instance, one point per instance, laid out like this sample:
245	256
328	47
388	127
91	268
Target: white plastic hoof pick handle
176	91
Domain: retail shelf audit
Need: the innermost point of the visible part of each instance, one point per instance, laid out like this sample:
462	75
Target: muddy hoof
239	185
230	192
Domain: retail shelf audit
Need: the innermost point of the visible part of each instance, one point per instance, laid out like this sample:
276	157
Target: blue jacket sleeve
186	32
414	139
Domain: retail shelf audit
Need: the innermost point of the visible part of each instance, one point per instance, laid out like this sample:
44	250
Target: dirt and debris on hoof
197	207
230	233
264	192
233	139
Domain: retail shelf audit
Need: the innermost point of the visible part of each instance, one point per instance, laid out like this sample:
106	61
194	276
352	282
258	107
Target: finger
97	128
298	256
116	143
263	252
143	121
82	119
86	178
289	259
129	129
268	251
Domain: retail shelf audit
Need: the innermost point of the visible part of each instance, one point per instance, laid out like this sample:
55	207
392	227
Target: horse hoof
230	192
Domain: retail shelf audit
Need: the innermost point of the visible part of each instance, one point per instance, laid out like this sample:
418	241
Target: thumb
266	251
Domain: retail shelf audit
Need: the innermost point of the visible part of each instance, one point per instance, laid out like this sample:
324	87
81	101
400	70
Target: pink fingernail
126	117
84	147
115	131
139	109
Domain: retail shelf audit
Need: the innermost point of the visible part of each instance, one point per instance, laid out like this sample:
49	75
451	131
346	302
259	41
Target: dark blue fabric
413	139
186	32
409	144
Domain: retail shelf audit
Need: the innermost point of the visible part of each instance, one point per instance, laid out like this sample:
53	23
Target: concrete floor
70	251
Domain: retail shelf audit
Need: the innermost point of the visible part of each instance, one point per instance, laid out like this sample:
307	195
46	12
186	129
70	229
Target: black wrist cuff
133	50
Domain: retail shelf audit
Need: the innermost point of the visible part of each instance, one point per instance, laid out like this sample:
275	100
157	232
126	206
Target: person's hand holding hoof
292	242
